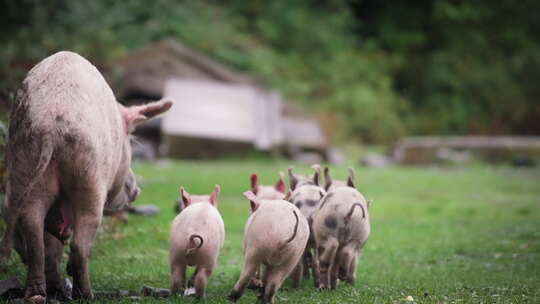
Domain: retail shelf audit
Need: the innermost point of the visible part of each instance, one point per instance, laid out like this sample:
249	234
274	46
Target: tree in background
373	70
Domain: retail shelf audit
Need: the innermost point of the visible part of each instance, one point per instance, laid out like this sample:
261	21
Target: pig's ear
287	196
351	179
184	195
253	200
293	180
254	183
327	178
138	114
215	195
280	184
317	174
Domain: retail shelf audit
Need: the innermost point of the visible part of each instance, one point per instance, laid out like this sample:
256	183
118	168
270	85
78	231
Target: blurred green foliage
374	70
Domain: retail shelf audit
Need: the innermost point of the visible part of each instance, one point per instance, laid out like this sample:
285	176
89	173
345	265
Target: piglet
275	236
267	192
197	235
306	195
341	228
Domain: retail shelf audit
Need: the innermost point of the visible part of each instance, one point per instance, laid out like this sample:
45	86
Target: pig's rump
269	229
66	105
65	129
344	216
200	219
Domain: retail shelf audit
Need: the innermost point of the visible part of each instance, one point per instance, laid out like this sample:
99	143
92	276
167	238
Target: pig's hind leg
247	273
326	253
87	213
178	278
201	280
54	250
274	278
31	227
298	272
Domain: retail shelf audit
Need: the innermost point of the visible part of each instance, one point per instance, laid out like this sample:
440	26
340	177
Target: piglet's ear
317	174
253	200
138	114
287	196
293	180
184	195
280	185
215	195
254	183
351	182
327	178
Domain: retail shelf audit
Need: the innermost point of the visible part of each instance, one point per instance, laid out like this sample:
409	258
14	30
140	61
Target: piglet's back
272	225
201	219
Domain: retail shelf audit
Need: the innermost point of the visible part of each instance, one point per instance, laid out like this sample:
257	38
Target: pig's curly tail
349	215
192	241
295	229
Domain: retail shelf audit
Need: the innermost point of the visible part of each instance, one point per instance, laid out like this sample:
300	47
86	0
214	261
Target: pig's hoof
35	289
234	296
37	299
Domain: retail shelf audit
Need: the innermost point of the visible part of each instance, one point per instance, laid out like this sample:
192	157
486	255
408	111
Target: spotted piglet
307	195
197	235
275	236
341	229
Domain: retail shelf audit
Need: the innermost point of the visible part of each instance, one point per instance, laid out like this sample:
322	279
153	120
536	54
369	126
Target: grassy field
440	235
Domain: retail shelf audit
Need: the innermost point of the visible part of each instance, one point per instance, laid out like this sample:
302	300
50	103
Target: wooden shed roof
146	71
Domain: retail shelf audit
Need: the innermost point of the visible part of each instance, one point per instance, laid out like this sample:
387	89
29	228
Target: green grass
440	235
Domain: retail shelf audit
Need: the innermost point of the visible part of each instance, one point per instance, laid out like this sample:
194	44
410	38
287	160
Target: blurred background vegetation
375	70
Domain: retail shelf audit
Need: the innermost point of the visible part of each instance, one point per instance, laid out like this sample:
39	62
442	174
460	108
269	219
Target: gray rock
11	288
149	291
146	210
